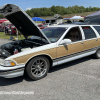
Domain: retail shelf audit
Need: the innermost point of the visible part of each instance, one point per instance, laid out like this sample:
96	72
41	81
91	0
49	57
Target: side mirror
65	41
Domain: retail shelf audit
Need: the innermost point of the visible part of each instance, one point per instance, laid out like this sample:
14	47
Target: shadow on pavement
7	82
10	81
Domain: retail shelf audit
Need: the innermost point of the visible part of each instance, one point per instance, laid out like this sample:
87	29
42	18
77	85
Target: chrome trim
76	57
12	71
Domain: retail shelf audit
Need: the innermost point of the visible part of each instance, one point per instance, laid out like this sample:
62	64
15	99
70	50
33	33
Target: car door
91	40
72	49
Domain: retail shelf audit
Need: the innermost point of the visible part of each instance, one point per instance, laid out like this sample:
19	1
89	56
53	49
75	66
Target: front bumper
10	72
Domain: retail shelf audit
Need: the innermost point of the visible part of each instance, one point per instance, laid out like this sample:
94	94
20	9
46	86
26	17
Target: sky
28	4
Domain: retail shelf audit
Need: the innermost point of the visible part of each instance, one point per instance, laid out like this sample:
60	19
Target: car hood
21	20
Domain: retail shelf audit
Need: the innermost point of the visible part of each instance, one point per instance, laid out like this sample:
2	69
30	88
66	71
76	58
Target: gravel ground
76	80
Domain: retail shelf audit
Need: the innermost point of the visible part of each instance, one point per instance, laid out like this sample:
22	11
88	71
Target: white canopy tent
6	23
76	17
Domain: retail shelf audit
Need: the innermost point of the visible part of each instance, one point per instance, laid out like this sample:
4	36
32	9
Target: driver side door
71	49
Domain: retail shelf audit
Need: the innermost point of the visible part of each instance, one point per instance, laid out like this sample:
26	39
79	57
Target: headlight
9	63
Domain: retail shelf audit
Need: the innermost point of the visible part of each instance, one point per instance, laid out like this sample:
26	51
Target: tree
1	16
38	12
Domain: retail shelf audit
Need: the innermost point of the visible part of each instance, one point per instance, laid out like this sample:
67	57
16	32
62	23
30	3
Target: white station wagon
42	49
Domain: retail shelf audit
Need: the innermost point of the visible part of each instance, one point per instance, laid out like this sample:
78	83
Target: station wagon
42	49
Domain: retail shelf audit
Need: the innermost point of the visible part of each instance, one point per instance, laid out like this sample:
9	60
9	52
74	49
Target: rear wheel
97	54
37	68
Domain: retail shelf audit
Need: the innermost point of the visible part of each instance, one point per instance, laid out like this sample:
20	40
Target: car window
74	34
88	32
92	21
97	28
54	33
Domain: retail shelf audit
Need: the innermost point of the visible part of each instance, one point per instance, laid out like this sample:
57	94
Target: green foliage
38	12
1	16
7	36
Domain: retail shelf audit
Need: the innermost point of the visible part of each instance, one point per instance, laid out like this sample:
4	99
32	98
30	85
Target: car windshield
54	33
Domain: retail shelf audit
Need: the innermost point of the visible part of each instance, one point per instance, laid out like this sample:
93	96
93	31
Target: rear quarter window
88	32
97	28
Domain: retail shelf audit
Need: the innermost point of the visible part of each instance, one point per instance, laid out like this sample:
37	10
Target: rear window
97	28
88	32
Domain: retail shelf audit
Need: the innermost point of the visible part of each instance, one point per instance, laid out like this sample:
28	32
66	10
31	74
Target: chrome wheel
39	67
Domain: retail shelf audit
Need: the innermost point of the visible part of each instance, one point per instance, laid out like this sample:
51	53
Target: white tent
76	17
6	23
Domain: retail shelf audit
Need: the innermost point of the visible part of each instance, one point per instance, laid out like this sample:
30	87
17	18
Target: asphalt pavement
76	80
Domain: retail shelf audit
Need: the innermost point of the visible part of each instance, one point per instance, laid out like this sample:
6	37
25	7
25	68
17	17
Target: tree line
39	12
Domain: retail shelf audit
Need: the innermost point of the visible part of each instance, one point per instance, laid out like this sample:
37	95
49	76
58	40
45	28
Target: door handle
82	43
96	39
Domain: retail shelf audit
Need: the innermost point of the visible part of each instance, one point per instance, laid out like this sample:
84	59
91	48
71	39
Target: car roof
71	25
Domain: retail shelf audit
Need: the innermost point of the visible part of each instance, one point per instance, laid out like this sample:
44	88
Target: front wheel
37	68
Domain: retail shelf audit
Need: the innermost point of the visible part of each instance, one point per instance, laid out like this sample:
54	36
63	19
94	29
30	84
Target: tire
97	54
38	68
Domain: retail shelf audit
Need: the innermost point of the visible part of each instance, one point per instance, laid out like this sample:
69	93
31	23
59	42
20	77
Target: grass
7	36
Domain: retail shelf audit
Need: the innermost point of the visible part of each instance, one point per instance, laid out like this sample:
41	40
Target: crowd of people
10	29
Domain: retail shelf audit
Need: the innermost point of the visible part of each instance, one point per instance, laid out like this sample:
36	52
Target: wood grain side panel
69	49
74	48
61	51
98	41
90	44
25	58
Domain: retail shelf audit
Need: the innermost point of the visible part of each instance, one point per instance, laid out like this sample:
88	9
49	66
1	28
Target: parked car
48	24
45	48
42	26
55	23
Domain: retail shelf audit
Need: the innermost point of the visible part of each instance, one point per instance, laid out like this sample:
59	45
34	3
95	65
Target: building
54	20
